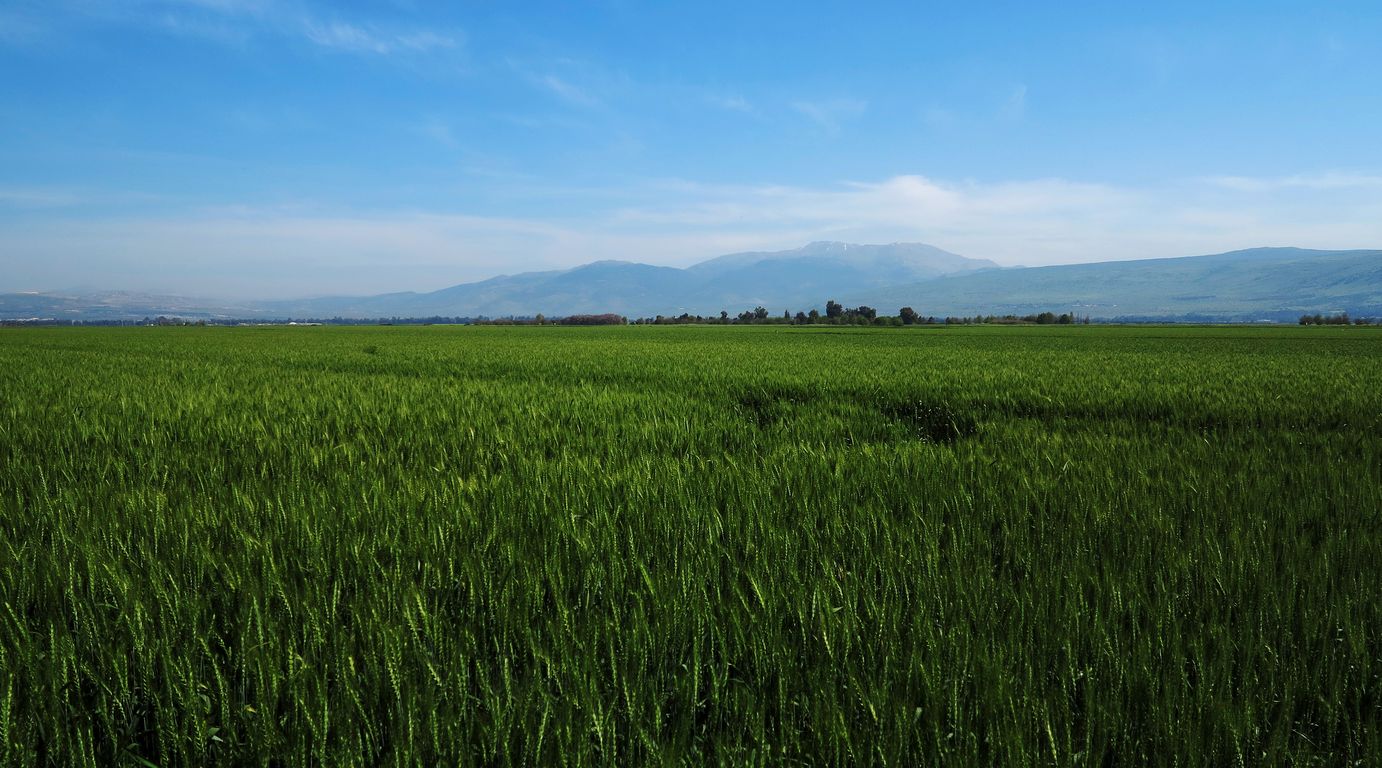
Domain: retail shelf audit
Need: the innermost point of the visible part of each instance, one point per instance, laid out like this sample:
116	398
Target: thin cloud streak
732	103
232	22
1323	181
1016	105
577	82
349	37
830	115
37	197
567	91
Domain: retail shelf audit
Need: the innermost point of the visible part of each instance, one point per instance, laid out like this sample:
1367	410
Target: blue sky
274	148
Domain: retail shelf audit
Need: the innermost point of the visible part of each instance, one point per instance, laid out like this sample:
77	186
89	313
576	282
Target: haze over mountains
1259	284
794	279
1276	284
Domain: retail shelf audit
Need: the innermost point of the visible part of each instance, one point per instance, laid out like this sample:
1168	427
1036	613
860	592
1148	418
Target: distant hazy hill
807	276
1256	284
794	279
114	305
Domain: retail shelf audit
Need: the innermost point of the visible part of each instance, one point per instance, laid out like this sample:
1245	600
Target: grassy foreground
652	545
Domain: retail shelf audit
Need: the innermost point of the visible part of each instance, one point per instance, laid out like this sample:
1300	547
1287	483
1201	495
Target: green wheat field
690	545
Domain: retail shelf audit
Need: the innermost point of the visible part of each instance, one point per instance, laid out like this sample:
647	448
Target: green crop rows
988	546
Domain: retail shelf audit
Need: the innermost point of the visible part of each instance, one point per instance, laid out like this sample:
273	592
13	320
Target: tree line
838	314
835	314
1340	319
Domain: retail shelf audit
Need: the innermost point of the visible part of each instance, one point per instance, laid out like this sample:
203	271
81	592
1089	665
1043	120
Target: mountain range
1258	284
779	279
1277	284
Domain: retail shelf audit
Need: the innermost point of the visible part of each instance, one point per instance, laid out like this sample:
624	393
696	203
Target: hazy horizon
88	290
248	149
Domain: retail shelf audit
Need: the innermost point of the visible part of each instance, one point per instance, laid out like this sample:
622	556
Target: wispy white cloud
229	6
898	199
347	36
566	91
358	39
438	131
1016	105
997	220
236	21
204	27
585	82
19	28
1321	181
733	103
830	114
576	82
37	197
